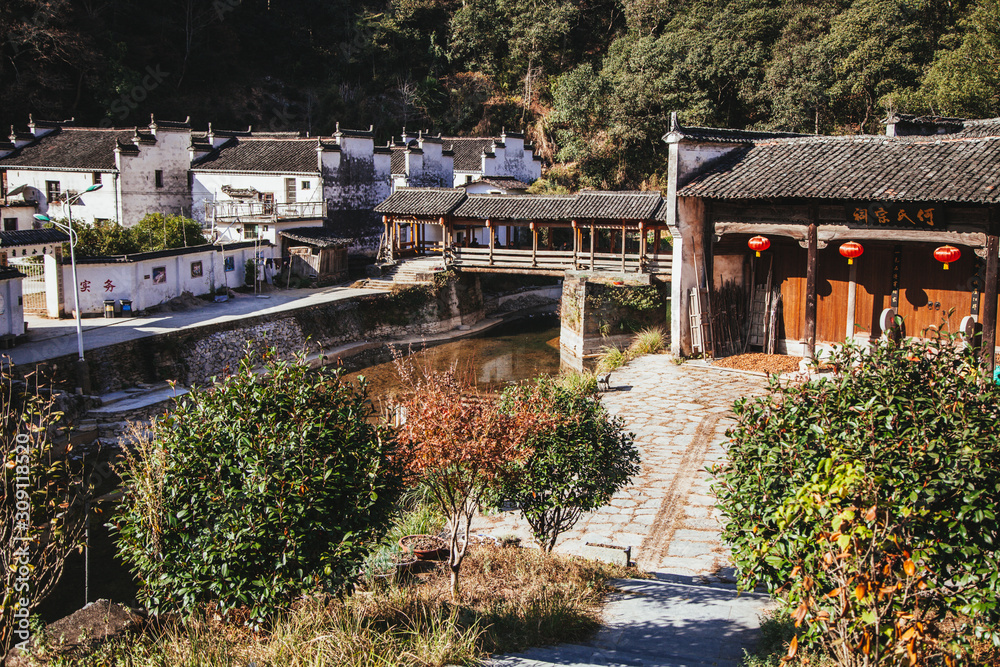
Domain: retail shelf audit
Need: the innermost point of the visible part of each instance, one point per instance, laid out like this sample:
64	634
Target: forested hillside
592	81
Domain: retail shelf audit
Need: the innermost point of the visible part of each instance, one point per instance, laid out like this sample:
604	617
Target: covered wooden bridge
541	234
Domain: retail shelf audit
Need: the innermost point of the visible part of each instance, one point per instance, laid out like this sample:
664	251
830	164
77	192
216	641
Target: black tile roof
422	201
71	148
516	207
508	182
616	205
728	136
26	237
252	154
469	151
318	236
8	272
943	168
986	127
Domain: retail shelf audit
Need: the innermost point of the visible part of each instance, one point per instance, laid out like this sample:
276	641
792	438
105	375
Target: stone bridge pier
602	310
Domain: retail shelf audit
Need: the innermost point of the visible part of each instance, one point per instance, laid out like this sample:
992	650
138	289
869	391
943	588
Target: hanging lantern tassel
851	250
947	254
759	243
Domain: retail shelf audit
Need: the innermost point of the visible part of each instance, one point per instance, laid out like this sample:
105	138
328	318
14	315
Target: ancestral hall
853	230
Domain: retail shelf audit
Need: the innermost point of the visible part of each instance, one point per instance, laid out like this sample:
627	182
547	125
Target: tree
157	231
458	441
258	490
104	238
41	517
576	464
867	501
965	76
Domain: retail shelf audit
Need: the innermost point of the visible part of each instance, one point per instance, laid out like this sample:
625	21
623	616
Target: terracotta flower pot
424	547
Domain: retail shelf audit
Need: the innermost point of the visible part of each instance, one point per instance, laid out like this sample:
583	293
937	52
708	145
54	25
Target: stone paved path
679	414
691	615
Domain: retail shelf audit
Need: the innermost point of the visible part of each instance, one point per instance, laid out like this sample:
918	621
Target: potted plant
424	547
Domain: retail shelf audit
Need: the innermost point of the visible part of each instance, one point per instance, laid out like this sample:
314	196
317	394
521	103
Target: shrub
41	503
612	358
576	464
458	441
263	488
649	341
868	502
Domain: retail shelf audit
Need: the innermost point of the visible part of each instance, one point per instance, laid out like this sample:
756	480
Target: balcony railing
253	211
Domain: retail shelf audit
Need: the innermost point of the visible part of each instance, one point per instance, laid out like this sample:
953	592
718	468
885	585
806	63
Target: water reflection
513	351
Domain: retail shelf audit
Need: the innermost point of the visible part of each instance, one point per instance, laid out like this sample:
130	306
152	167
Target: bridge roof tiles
422	201
516	207
616	205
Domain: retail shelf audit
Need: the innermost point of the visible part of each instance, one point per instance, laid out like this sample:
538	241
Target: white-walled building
421	161
241	185
508	155
141	170
246	186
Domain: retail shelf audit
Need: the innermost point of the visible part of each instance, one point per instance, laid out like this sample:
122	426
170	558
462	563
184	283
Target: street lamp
70	200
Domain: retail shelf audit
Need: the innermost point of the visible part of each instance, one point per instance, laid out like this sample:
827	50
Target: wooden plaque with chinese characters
896	215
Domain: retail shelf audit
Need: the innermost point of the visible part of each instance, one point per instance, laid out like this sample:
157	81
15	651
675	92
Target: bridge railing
558	260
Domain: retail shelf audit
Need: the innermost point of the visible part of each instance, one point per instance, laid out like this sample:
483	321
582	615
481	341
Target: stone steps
407	273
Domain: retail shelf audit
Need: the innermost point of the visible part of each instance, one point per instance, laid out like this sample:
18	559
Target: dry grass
512	599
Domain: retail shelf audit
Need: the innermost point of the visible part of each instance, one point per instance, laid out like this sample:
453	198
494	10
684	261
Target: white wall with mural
149	279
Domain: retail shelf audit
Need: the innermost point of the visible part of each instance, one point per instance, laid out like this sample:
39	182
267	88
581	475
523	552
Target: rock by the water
95	623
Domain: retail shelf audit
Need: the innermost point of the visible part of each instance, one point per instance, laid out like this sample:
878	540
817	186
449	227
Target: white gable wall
139	194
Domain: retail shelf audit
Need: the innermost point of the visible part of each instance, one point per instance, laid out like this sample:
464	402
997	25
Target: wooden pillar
623	248
576	241
811	261
989	306
489	230
388	237
534	245
852	290
593	233
642	245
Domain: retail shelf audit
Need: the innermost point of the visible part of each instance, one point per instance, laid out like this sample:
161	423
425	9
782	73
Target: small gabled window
97	178
306	185
52	191
158	177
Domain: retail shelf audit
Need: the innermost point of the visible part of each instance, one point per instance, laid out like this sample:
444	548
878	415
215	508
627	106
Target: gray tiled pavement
691	614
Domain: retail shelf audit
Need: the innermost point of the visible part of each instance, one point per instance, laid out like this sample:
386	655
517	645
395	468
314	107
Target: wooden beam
989	305
832	233
812	256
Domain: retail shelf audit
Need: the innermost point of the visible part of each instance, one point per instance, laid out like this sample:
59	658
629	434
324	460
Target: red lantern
851	250
947	254
759	243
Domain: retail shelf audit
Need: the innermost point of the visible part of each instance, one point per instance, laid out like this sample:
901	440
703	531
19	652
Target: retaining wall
193	356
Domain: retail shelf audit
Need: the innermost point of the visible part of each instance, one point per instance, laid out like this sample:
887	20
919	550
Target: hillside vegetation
592	81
